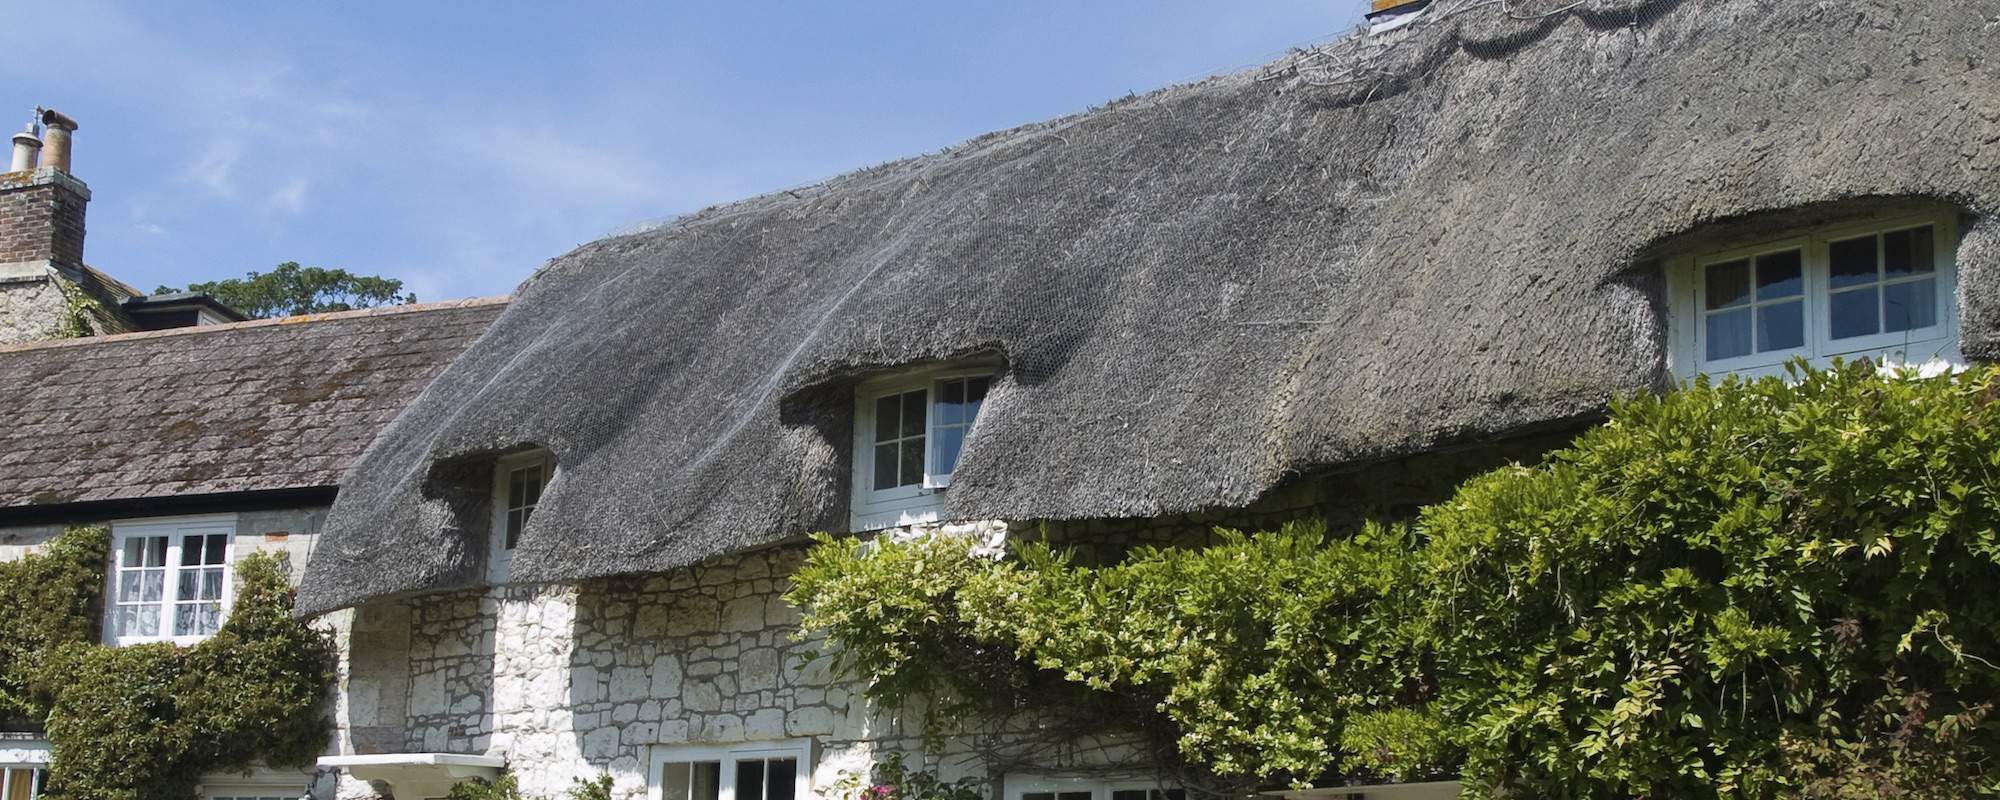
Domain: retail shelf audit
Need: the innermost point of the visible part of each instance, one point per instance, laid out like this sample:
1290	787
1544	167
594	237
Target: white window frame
36	772
905	505
1687	303
500	557
252	791
174	528
1100	788
727	756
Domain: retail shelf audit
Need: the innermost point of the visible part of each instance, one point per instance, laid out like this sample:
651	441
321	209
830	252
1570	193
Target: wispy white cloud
290	198
150	228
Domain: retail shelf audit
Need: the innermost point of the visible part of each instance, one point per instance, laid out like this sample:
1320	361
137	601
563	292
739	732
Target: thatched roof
259	406
1199	292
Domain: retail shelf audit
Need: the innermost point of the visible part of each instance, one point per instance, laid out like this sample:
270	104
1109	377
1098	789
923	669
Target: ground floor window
1038	787
270	793
750	771
21	782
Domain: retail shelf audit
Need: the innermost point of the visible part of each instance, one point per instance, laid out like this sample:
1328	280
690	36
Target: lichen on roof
1198	292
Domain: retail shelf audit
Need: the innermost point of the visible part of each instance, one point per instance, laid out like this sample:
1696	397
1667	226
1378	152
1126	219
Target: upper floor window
169	579
1883	290
909	430
751	771
518	481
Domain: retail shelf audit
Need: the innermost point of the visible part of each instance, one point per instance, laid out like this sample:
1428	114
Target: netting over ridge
1197	292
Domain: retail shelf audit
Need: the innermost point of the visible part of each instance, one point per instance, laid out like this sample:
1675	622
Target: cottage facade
1331	287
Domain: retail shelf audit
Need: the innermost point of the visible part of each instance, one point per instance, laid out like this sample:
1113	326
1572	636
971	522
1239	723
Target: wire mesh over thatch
1445	232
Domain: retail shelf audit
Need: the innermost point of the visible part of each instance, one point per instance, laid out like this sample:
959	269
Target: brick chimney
41	237
41	209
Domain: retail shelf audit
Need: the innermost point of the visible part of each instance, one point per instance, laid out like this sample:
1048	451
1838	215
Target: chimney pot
27	149
56	139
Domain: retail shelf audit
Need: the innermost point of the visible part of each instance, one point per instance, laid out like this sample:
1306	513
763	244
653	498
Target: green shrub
52	600
1746	590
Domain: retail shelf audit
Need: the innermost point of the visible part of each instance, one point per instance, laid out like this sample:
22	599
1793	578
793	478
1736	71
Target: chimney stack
56	138
27	148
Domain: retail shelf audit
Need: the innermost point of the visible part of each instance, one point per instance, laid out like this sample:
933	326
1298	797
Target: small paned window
21	782
909	434
518	483
524	492
1882	291
752	771
1041	788
169	580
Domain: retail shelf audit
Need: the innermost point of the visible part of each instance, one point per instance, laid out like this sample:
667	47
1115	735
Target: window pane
135	552
913	414
1781	326
1072	796
218	548
674	780
534	479
1853	262
782	780
951	403
886	425
189	584
1038	796
20	784
1907	253
516	520
185	619
191	550
949	440
211	584
128	586
1129	794
886	462
749	780
517	489
1779	275
1729	334
152	584
1909	306
913	462
1854	313
707	781
975	396
1728	284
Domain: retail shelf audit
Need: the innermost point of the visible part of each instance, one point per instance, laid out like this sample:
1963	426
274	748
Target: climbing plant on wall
148	721
1746	590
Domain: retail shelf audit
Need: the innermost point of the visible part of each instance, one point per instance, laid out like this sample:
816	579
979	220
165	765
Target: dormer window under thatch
909	430
518	482
1884	289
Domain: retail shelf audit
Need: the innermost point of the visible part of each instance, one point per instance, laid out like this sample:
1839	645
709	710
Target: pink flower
882	790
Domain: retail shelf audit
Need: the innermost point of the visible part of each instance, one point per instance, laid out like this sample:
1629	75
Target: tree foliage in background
289	290
148	721
1743	590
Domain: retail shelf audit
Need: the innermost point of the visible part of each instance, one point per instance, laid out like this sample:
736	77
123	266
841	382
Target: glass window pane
951	403
533	481
1853	313
781	779
1729	334
191	550
886	425
1038	796
1909	306
152	585
674	780
912	472
134	554
1853	262
1129	794
128	586
516	520
218	548
1728	284
517	489
707	781
750	780
949	440
1780	275
156	551
185	619
1907	253
886	463
143	620
1781	326
211	584
975	396
913	414
1072	796
188	584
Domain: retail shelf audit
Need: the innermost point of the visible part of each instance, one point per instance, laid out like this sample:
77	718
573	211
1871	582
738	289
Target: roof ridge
301	319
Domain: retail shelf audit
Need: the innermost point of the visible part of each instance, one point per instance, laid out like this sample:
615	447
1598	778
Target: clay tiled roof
250	406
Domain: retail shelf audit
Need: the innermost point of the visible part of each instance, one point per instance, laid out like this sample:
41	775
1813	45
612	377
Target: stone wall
30	308
575	681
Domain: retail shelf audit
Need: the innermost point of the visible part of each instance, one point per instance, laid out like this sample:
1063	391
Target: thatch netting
1351	254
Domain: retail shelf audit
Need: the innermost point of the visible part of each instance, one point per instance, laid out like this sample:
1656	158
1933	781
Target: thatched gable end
1352	254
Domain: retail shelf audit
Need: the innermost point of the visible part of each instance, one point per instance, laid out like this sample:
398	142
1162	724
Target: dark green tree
290	289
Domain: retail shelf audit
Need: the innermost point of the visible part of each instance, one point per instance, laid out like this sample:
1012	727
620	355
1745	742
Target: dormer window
518	481
1882	290
909	430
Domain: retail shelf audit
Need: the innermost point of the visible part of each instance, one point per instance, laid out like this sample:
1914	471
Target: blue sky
459	146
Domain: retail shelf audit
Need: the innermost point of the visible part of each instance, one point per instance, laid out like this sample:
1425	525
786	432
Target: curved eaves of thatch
1442	233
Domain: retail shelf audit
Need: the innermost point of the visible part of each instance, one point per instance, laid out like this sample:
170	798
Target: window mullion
725	784
170	584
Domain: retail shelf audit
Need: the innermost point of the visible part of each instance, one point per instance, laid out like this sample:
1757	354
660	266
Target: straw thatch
1356	253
